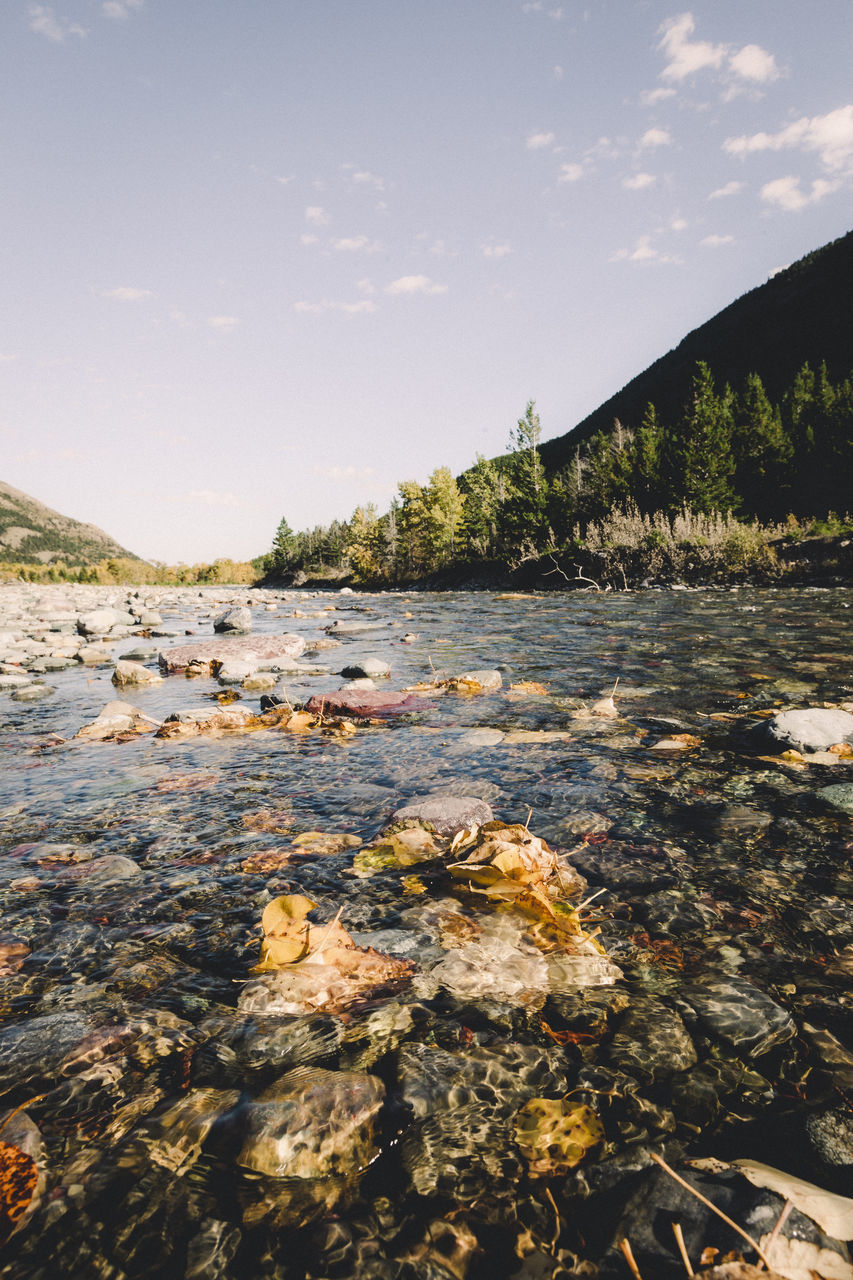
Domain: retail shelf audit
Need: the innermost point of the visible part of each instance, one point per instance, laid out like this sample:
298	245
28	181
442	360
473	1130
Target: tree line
729	452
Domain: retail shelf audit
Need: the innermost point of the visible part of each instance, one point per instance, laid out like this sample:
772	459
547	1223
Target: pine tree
282	555
699	462
762	451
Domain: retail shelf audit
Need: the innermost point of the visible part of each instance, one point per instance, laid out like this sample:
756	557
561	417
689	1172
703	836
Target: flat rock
364	703
33	693
448	814
840	795
97	622
488	680
652	1039
218	649
117	719
813	729
345	628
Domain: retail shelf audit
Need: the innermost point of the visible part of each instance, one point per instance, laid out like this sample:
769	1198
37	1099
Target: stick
682	1248
625	1246
698	1194
780	1221
557	1226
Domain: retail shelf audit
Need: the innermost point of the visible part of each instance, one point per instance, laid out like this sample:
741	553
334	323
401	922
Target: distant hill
31	533
804	313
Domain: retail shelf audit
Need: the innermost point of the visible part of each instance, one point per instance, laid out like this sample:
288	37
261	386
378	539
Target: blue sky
271	258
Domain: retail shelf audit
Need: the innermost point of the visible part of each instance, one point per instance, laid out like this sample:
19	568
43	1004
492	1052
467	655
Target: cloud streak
44	22
414	284
829	136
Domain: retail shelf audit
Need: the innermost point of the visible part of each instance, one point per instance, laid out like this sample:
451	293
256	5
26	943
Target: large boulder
134	673
215	651
97	622
812	729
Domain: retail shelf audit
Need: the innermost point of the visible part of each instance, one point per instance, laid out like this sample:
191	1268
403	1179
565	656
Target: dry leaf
554	1135
832	1213
322	842
802	1260
18	1179
529	687
677	742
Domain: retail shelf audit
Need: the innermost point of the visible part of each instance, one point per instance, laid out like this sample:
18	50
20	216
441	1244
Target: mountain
804	313
31	533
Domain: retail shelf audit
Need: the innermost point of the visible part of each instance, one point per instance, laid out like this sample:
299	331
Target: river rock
97	622
840	795
236	621
312	1124
743	1017
117	719
134	673
33	693
813	729
652	1040
344	628
489	681
149	618
13	681
204	653
447	814
364	703
236	670
34	1049
368	669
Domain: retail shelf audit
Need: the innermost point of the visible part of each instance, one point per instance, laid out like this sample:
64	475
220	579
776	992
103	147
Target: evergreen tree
647	483
284	546
699	462
522	517
445	517
483	487
762	451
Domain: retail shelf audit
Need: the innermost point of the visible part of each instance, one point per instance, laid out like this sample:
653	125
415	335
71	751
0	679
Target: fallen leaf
832	1213
554	1135
278	821
18	1179
677	742
530	688
322	842
802	1260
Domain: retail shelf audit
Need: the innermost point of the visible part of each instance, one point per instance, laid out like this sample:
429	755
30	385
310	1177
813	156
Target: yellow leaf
18	1179
531	687
554	1135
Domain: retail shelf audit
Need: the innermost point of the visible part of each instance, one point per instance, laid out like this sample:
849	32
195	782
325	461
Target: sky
268	259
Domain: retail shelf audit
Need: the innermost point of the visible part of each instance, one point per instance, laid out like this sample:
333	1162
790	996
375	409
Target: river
134	874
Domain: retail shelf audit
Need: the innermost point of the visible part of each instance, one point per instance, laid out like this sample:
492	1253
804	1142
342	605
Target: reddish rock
217	649
364	703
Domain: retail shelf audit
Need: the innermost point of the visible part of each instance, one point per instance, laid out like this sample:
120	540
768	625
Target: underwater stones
33	693
342	627
176	1135
236	621
651	1040
813	729
448	814
746	1019
363	703
204	653
485	681
265	1046
34	1049
840	795
312	1124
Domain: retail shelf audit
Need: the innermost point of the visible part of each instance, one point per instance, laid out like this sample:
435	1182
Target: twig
780	1222
709	1205
557	1226
625	1246
682	1248
527	822
321	944
29	1103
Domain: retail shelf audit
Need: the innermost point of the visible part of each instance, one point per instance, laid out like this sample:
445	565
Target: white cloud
830	136
7	359
715	241
730	189
307	238
754	63
353	244
643	251
44	22
366	286
367	179
656	138
788	195
554	11
679	224
495	250
536	141
414	284
638	181
363	307
686	56
316	215
223	322
207	498
124	293
120	8
558	72
651	97
570	172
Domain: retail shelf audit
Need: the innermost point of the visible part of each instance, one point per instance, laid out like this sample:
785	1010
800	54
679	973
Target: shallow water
717	867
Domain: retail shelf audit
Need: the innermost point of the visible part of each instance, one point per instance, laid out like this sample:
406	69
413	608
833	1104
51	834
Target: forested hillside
31	533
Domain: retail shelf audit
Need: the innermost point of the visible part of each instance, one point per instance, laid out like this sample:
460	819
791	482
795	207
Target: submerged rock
364	703
739	1014
313	1124
368	668
204	653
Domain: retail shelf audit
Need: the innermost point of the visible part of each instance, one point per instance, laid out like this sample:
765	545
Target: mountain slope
31	533
804	313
